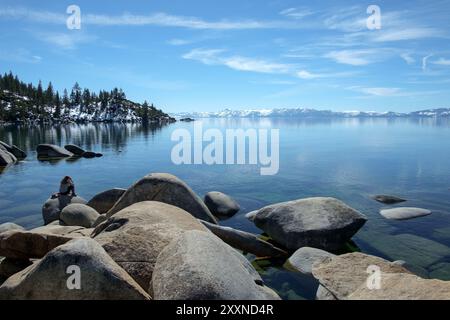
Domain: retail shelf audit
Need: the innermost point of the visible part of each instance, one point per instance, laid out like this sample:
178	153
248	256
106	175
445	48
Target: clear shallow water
349	159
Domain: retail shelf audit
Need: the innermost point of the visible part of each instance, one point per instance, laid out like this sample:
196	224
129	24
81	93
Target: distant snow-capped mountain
310	113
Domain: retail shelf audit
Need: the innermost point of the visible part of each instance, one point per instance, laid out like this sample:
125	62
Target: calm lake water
350	159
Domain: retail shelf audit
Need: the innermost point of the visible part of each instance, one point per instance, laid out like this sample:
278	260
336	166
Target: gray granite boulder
221	205
199	266
17	152
323	223
76	150
52	151
136	235
105	200
77	214
10	266
404	213
165	188
6	158
10	226
245	241
54	277
51	209
388	199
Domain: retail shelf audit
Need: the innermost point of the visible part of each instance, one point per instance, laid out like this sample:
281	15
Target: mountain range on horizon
311	113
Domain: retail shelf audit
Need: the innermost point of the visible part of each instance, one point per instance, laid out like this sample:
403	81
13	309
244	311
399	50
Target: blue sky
203	55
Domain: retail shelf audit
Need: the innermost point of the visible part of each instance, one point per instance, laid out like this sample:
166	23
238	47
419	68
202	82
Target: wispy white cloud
215	57
408	58
408	34
441	62
357	57
380	92
178	42
19	55
67	40
425	62
296	13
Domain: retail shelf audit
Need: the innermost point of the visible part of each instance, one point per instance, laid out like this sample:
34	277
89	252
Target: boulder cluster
159	240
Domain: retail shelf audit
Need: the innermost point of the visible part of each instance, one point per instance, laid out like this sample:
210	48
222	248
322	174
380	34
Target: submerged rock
89	154
76	150
221	205
51	209
402	286
404	213
343	275
10	226
388	199
304	258
323	223
105	200
245	241
52	151
49	279
77	214
199	266
135	236
165	188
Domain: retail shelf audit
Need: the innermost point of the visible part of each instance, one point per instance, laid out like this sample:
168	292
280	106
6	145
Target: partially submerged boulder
404	213
323	223
54	277
199	266
6	158
25	245
105	200
136	235
304	258
386	199
221	205
51	209
76	150
165	188
89	154
77	214
245	241
52	151
343	275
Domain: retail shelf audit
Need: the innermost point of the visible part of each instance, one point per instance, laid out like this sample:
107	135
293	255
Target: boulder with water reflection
76	150
164	187
6	157
89	155
323	223
51	209
52	151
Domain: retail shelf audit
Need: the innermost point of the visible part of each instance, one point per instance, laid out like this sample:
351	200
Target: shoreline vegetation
26	103
159	240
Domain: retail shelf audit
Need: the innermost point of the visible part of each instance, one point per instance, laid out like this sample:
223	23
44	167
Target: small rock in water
76	150
221	205
404	213
304	258
388	199
89	155
98	155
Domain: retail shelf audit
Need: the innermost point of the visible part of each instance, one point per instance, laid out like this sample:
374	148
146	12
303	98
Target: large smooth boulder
136	235
105	200
49	279
76	150
51	209
402	286
304	258
404	213
52	151
10	226
245	241
343	275
221	205
323	223
25	245
386	199
199	266
165	188
77	214
5	146
6	158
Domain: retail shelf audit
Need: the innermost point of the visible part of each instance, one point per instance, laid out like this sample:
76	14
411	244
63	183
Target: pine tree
75	95
57	102
49	94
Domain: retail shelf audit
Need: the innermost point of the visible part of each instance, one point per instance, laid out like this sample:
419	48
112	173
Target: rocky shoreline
159	240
